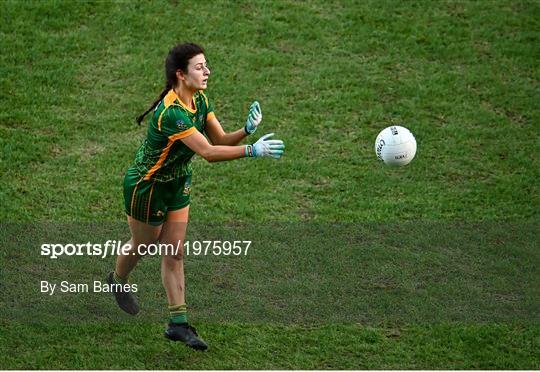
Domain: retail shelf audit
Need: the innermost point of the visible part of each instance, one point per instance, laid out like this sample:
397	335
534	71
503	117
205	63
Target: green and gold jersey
163	156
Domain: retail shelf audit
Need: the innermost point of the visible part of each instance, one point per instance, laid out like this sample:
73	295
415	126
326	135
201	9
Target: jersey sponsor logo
159	213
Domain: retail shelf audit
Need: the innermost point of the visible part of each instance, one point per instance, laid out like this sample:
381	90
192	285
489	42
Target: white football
395	146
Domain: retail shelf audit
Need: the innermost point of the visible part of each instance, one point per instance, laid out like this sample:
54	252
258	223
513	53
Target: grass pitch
355	265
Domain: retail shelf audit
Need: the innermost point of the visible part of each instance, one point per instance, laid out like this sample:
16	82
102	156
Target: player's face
198	72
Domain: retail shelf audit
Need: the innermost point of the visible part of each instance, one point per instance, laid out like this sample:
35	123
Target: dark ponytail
140	118
177	59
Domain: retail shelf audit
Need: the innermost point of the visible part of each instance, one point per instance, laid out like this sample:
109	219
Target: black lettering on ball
380	146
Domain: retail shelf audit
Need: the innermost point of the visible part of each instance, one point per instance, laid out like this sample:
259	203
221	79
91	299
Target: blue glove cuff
250	151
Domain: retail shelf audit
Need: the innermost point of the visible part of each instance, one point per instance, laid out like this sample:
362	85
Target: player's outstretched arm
264	147
217	135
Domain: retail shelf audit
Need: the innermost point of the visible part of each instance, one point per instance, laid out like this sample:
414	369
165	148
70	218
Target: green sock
178	313
119	280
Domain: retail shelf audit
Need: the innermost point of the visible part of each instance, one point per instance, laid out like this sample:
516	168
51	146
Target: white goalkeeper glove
254	118
265	147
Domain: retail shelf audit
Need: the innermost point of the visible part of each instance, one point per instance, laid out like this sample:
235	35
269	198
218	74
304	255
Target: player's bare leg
141	233
172	275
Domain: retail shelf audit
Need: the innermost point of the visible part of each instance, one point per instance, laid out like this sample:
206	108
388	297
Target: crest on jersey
187	189
181	125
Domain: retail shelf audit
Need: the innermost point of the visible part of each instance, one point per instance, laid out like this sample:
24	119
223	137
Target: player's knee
174	254
173	260
177	257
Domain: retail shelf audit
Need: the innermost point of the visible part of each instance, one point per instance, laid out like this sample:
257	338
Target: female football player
157	186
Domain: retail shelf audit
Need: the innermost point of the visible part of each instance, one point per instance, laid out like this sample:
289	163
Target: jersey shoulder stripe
205	99
209	109
170	102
